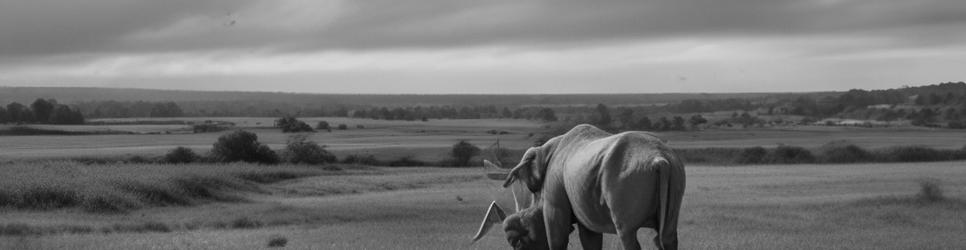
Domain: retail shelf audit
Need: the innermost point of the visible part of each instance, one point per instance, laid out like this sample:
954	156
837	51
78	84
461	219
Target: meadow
425	141
387	140
857	206
50	198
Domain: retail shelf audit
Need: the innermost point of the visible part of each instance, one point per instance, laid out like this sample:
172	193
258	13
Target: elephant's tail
671	194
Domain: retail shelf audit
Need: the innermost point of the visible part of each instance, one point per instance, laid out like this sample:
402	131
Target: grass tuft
930	191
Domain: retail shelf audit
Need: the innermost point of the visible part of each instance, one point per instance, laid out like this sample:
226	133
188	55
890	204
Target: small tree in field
180	155
291	125
242	146
464	151
302	150
323	125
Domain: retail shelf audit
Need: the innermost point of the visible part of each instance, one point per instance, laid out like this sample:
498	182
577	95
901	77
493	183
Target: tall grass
117	188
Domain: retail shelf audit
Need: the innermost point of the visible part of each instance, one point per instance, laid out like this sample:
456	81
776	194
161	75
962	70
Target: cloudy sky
483	46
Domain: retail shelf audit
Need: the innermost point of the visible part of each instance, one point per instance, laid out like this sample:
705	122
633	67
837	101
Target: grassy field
388	140
859	206
427	141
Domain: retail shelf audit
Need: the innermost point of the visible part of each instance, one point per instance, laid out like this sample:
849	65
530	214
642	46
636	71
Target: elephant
603	183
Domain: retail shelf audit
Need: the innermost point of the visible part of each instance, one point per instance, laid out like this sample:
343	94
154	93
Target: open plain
859	206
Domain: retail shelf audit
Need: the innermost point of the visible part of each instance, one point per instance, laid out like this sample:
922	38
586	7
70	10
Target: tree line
41	111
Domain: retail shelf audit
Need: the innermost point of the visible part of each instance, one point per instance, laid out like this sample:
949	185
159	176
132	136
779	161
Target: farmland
863	206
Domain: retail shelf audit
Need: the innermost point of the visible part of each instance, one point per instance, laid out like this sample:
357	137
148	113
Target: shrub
180	155
929	191
843	152
710	155
789	154
301	150
462	152
242	145
291	125
323	125
751	155
912	154
343	127
277	241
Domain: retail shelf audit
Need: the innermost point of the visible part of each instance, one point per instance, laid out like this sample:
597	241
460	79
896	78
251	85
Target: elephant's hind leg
628	237
590	240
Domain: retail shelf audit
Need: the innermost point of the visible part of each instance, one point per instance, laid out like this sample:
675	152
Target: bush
343	127
407	161
462	152
843	152
929	191
323	125
710	155
291	125
242	145
913	154
180	155
301	150
277	241
789	154
752	155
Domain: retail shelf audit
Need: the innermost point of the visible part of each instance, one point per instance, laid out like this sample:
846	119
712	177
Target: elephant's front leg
557	215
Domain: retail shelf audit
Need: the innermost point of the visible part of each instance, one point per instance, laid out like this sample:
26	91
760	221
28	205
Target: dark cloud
44	28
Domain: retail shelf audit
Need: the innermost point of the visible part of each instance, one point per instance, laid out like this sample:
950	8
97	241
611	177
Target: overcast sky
483	46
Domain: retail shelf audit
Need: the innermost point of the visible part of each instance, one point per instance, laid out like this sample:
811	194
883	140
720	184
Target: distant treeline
931	105
940	105
41	111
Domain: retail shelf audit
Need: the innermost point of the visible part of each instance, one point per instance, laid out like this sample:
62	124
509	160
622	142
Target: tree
63	114
323	125
547	114
464	151
696	120
662	124
291	125
242	145
4	117
677	123
643	124
626	117
300	149
602	118
19	113
42	109
506	113
181	155
168	109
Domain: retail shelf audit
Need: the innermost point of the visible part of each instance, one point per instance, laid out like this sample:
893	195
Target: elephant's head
532	168
524	229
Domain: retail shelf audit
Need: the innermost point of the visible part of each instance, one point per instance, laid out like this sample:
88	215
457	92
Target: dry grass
120	188
851	206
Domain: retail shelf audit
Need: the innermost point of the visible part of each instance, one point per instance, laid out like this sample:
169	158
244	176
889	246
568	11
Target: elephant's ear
529	170
494	215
